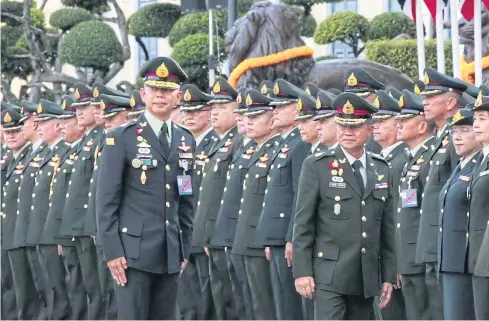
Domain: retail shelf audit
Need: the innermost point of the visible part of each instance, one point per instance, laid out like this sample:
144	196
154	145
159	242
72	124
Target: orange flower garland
467	70
273	59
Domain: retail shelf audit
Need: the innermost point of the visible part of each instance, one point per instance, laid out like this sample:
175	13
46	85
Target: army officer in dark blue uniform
145	199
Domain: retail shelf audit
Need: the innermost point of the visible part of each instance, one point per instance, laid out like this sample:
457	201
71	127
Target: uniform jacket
76	204
201	153
51	234
141	215
396	160
212	186
413	176
227	219
40	203
454	220
478	215
252	200
25	197
4	164
343	239
283	180
10	196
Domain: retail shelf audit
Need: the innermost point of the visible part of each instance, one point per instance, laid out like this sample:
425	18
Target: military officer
213	180
361	83
344	231
195	296
115	111
259	128
24	207
144	199
441	99
417	133
458	300
326	125
306	105
76	204
227	218
98	90
478	213
51	239
24	306
137	105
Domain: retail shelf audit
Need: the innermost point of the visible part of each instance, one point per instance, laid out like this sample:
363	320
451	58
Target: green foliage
90	5
13	7
403	55
307	24
91	44
154	20
37	18
15	67
9	36
308	2
245	5
192	54
345	26
67	18
328	57
195	23
390	24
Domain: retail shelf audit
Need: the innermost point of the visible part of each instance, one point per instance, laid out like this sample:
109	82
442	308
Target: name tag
464	178
381	185
86	148
69	162
184	184
18	171
262	165
32	164
337	185
442	151
185	155
246	156
282	155
415	168
409	198
223	150
484	173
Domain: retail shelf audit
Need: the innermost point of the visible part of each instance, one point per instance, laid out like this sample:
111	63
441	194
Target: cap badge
377	102
352	80
318	103
348	108
417	91
458	116
276	90
162	71
133	101
63	106
7	118
96	93
307	90
478	101
401	101
239	99
390	94
77	94
264	89
39	109
187	96
426	78
217	87
299	104
102	105
249	101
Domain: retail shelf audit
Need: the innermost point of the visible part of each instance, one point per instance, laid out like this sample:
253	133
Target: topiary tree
67	18
388	25
90	5
192	54
307	4
91	44
307	24
347	27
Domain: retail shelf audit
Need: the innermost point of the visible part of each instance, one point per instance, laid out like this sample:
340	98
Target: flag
434	6
467	8
409	8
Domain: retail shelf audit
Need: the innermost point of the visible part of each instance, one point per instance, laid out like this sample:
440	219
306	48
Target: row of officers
269	203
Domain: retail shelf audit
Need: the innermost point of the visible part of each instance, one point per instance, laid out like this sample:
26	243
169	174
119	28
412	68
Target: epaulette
377	156
319	155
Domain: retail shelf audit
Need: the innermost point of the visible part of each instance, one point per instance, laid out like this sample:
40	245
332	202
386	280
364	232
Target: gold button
225	188
282	214
337	198
383	199
203	175
242	200
364	219
144	168
320	254
364	250
200	188
364	235
33	195
263	204
67	195
58	169
467	235
124	230
240	211
441	229
247	175
198	203
363	203
50	204
32	207
167	186
167	222
398	225
85	206
398	210
89	194
167	167
271	167
167	204
266	191
222	202
268	178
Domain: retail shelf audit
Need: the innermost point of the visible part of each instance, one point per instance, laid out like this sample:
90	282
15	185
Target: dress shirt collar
156	124
351	159
386	151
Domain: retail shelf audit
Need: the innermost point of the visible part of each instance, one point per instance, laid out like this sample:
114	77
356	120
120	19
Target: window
150	43
394	6
340	49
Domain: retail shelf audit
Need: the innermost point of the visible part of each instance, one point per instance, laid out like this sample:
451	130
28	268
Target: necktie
163	137
356	171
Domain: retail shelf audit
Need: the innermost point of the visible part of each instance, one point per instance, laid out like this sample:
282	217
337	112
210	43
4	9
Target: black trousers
458	299
40	281
258	274
434	286
288	303
107	286
395	310
240	286
221	288
9	308
148	296
27	300
415	296
74	284
334	306
480	286
53	270
194	290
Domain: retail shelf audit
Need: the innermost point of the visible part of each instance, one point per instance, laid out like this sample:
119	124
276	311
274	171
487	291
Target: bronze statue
270	33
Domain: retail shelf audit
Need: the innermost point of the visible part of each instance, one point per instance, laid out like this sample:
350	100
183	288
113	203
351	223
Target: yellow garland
467	70
273	59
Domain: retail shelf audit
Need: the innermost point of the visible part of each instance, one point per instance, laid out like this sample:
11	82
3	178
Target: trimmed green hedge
196	23
9	36
90	5
91	44
154	20
390	24
67	18
307	24
37	18
13	7
15	67
403	55
342	25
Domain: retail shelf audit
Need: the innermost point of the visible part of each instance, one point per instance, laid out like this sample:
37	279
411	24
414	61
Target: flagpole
455	38
478	42
420	38
440	41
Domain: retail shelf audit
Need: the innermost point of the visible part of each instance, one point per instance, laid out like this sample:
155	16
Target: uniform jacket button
282	214
320	254
167	223
364	235
364	250
124	230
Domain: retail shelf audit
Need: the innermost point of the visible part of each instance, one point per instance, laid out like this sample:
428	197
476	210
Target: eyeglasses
464	130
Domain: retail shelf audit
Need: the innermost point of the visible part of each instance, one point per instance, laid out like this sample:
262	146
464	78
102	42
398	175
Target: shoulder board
377	157
323	154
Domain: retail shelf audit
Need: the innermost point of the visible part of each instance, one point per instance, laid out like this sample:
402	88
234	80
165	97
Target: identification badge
464	178
381	185
184	185
223	150
442	151
409	198
337	185
282	155
246	156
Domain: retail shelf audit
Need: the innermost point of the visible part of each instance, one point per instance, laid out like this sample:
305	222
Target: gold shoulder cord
55	171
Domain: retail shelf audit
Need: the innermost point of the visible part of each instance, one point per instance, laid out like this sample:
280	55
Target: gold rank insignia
380	177
102	105
162	71
77	94
318	103
390	94
187	96
348	108
417	91
184	147
96	93
63	106
352	80
445	142
7	118
201	156
276	90
377	101
308	90
249	101
264	158
426	78
401	102
342	161
299	104
132	102
228	142
239	99
217	87
458	116
39	109
478	101
110	141
264	89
